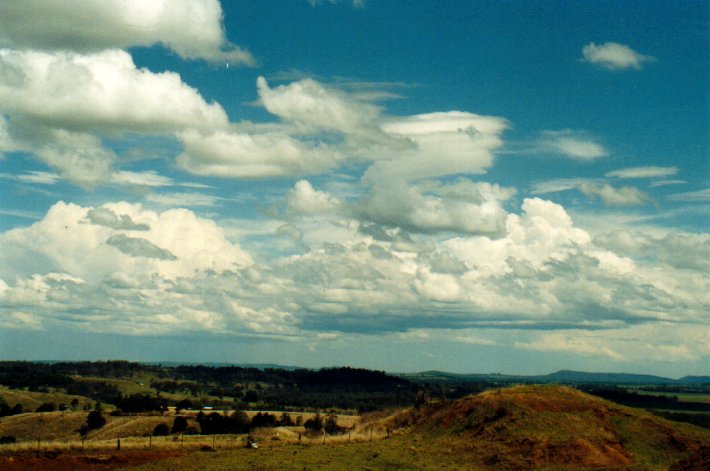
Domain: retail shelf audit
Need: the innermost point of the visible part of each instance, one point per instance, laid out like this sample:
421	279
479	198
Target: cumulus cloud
191	28
310	104
103	90
611	196
63	103
614	56
540	273
574	145
462	207
83	241
303	198
446	143
643	172
261	154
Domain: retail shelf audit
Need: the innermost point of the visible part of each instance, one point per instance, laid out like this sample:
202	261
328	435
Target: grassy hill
540	426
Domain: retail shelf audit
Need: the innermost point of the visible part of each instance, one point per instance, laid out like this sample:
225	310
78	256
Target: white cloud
541	272
700	196
83	241
622	196
614	56
310	104
189	199
192	28
463	207
572	144
577	343
445	143
643	172
61	105
303	198
231	153
103	90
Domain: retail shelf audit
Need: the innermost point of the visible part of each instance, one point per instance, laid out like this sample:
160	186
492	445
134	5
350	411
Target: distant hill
525	427
562	376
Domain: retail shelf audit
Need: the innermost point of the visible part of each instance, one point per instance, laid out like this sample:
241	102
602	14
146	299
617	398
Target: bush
7	439
46	407
314	424
161	430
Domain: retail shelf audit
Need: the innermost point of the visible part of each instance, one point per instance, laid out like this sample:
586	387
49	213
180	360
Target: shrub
47	407
7	439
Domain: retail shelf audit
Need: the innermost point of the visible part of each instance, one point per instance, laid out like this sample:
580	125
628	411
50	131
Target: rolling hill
527	427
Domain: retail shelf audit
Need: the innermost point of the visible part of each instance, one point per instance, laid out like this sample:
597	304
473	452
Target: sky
468	186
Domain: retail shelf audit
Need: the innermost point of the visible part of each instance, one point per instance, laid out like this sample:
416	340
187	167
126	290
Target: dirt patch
58	461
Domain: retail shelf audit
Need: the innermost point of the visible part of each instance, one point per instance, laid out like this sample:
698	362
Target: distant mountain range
562	376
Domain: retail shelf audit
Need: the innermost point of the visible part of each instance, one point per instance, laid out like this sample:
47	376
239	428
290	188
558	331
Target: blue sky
466	186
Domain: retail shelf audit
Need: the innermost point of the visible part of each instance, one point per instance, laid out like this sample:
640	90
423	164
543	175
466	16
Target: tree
161	430
314	424
95	420
286	420
240	422
179	424
251	396
331	426
183	404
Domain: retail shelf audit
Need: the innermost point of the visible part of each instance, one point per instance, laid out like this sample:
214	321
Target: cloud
461	207
579	344
303	198
106	217
81	242
614	56
541	275
191	28
62	104
445	143
622	196
310	104
700	196
574	145
189	199
643	172
103	90
137	247
231	153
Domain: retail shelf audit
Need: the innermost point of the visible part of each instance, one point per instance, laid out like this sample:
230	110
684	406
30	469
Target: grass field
31	400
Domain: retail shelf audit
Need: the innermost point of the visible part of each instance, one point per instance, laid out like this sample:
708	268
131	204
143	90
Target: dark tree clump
161	430
95	420
179	424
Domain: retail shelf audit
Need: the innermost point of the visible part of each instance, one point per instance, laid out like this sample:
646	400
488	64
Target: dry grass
30	400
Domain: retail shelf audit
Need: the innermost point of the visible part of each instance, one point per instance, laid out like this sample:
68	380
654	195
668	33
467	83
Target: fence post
150	441
372	427
323	437
118	444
